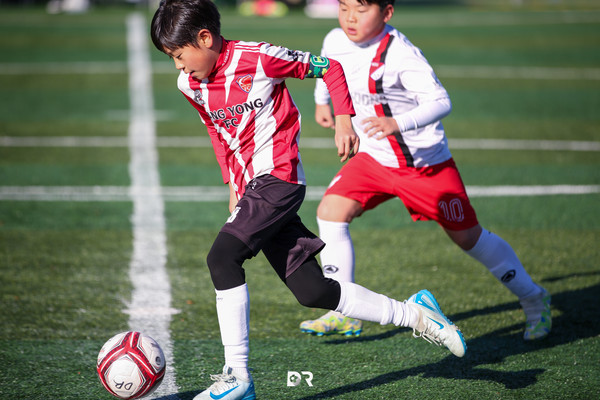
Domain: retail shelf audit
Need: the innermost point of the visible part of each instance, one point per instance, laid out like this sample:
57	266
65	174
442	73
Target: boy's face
362	22
200	60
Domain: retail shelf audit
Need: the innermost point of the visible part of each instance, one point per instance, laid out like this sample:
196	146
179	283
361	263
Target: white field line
150	309
221	193
443	71
507	72
310	143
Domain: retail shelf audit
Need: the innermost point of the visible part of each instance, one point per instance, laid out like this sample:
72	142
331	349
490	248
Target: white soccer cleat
228	386
433	325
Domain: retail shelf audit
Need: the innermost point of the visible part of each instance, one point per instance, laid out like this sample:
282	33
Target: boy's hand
324	116
380	127
232	198
346	139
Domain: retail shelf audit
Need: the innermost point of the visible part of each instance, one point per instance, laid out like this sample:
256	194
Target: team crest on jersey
198	97
377	69
245	83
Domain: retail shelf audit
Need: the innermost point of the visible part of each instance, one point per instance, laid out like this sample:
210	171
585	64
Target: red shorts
429	193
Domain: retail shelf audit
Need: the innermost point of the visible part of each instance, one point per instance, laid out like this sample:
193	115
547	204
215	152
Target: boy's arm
282	63
232	198
332	73
422	115
433	103
217	146
323	115
346	139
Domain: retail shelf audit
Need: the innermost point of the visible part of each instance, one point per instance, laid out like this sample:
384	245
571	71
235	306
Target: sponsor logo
229	116
377	74
441	326
330	269
295	55
334	180
509	276
222	395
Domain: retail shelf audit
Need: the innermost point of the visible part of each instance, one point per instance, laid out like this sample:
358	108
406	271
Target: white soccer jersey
250	116
389	76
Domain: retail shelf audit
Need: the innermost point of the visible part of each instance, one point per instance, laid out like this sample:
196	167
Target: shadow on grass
578	320
178	396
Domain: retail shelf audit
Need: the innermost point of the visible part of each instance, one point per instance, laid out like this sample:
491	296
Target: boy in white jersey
399	103
238	88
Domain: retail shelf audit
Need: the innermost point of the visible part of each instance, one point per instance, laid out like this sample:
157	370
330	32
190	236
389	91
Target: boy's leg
350	191
421	312
225	260
439	194
502	261
337	257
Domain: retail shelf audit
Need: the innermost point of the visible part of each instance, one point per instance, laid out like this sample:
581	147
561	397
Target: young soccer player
399	103
239	90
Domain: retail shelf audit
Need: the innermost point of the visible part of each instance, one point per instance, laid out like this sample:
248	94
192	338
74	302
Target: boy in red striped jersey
399	104
238	88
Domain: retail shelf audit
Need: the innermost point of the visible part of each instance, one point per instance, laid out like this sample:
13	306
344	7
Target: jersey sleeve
335	80
218	148
433	103
424	114
321	93
282	63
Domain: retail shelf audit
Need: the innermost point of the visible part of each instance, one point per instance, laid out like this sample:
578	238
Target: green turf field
528	75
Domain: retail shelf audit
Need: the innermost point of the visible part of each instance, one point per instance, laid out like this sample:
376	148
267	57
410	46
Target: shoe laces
222	382
431	337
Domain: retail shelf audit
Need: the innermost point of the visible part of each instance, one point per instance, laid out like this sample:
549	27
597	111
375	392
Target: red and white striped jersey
390	77
251	118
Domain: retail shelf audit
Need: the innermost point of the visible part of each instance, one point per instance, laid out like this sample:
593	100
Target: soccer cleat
228	386
433	325
539	317
330	323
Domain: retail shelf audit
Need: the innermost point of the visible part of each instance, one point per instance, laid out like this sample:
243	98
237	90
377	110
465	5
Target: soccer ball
131	365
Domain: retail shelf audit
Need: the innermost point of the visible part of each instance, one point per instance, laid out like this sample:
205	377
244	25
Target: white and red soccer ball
131	365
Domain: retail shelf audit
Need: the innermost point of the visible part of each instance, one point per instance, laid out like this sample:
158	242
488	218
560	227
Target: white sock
500	259
361	303
233	311
337	258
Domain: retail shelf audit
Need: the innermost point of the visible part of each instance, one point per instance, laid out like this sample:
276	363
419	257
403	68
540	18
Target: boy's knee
225	260
336	208
312	289
317	297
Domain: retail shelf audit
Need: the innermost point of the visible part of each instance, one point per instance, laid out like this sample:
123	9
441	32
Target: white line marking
443	71
309	143
505	72
221	193
147	270
486	19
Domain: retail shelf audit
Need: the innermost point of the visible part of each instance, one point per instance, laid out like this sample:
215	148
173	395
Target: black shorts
266	218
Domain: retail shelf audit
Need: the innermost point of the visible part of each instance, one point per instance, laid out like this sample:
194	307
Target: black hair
176	23
382	3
